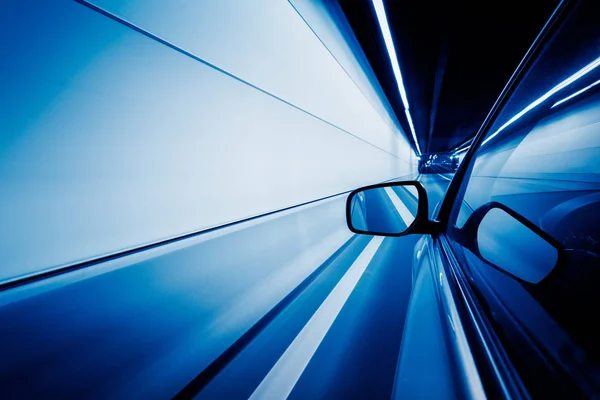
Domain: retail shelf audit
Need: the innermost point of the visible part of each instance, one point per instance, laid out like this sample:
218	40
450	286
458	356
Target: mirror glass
510	245
388	210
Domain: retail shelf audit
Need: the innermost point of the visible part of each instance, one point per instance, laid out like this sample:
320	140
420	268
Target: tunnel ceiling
455	59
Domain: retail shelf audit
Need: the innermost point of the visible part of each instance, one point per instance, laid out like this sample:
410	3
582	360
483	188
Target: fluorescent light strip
582	72
412	129
389	44
576	94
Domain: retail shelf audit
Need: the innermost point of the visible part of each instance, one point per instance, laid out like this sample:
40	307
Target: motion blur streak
358	354
113	139
148	323
158	306
571	79
550	165
281	379
389	45
577	93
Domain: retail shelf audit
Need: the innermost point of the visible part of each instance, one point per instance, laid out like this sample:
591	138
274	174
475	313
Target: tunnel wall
198	114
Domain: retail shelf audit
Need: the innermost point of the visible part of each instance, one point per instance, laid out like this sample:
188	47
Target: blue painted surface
147	324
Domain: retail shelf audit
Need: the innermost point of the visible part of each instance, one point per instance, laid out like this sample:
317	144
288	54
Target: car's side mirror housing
389	209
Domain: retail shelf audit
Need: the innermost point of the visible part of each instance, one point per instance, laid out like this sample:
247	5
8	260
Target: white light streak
582	72
389	44
585	89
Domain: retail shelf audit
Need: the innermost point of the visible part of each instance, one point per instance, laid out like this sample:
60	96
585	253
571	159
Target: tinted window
541	158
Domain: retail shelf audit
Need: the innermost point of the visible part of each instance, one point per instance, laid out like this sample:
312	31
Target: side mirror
513	244
388	209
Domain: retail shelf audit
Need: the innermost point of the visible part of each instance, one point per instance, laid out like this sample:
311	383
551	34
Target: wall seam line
394	129
196	58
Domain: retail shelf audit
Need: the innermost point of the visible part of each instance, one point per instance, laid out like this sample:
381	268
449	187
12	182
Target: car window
541	159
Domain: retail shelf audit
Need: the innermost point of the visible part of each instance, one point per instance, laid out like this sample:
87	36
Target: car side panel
424	368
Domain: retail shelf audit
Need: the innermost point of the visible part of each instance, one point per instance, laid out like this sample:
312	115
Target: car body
505	279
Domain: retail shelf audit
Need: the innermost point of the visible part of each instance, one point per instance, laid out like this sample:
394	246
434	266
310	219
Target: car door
534	331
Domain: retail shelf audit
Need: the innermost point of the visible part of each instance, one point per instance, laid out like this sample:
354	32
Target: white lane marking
284	375
445	177
406	215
